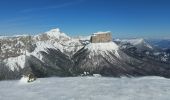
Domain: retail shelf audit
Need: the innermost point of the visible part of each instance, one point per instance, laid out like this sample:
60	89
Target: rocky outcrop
101	37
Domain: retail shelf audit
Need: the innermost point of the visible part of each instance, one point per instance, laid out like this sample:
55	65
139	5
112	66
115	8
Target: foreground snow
87	88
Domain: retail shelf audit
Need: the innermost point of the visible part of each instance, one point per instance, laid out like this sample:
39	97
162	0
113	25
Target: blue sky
124	18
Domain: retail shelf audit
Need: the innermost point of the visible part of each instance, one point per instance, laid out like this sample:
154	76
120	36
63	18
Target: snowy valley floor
87	88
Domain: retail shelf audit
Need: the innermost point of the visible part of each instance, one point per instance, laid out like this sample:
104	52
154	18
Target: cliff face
101	37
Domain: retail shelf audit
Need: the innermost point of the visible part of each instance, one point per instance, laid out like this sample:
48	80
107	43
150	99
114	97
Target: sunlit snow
56	33
14	62
103	48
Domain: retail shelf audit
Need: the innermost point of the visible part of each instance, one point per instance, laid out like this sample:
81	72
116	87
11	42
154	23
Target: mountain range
54	53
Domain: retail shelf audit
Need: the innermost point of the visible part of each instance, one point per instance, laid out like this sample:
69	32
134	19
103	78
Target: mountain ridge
53	53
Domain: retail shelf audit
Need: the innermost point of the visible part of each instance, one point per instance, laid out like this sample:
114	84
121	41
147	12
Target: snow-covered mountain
60	40
54	53
98	57
139	43
143	48
108	59
17	51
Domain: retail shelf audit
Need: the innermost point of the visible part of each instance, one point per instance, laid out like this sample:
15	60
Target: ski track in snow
87	88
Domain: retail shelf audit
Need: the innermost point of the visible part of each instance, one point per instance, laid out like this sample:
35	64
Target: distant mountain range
54	53
160	43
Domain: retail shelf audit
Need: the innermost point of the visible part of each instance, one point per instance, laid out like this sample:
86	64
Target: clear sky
124	18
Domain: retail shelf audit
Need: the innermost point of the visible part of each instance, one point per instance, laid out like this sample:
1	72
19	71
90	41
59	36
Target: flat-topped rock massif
101	37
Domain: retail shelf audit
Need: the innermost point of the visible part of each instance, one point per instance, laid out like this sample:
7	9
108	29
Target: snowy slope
102	48
67	44
108	60
140	43
56	33
101	58
53	34
14	48
14	63
87	88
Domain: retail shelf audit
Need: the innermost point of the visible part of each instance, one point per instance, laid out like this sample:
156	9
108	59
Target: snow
56	33
13	36
19	43
137	41
71	47
101	32
58	40
103	48
23	80
72	43
15	62
87	88
109	46
44	46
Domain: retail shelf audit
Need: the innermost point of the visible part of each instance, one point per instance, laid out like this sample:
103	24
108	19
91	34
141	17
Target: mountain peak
135	41
55	29
56	33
